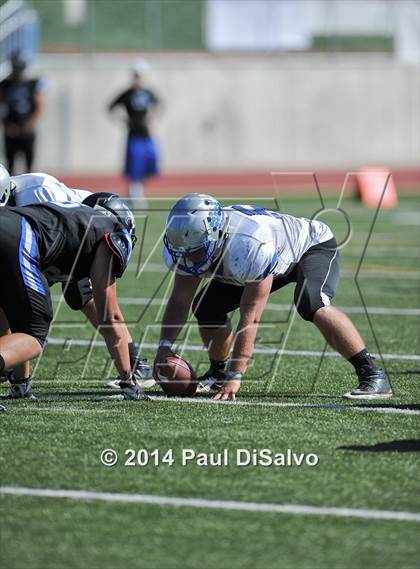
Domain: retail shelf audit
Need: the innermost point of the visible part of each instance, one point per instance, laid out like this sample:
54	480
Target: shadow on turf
409	445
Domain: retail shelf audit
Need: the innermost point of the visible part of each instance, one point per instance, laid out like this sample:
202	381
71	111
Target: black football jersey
137	103
18	98
67	237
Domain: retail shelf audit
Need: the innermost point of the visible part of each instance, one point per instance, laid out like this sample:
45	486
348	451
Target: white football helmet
5	186
196	230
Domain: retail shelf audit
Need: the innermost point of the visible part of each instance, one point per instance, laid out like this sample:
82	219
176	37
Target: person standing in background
21	106
141	157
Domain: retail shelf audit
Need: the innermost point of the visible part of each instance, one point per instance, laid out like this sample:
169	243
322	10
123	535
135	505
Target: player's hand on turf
228	391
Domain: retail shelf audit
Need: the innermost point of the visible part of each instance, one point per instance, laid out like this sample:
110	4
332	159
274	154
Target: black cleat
7	375
142	373
133	392
373	385
213	379
20	389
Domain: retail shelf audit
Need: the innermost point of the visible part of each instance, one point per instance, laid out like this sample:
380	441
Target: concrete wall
230	112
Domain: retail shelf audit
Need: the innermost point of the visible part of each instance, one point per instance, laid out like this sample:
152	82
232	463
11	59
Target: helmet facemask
6	186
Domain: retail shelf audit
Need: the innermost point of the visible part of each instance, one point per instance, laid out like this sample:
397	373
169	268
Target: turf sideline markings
266	351
130	301
151	499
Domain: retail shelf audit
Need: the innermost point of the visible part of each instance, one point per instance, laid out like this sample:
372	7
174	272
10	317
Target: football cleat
113	384
2	408
373	385
20	389
212	380
133	392
142	373
7	375
208	384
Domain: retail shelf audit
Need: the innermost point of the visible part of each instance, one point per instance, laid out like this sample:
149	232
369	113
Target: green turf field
368	453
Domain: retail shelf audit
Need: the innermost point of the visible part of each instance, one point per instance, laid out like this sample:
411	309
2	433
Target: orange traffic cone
376	186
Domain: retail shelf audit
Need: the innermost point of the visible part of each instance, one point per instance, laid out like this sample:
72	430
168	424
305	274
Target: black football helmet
117	206
123	241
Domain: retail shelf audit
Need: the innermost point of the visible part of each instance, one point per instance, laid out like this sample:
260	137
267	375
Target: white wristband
165	344
233	375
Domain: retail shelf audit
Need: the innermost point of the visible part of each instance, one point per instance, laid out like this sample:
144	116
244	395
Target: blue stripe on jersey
28	252
269	268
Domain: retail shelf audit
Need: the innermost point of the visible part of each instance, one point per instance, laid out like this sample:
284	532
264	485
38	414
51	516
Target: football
176	377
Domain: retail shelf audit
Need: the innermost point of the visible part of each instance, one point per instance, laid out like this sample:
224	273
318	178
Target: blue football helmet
6	186
196	230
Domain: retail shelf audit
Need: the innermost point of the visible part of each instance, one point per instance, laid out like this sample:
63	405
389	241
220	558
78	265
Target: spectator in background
22	104
139	104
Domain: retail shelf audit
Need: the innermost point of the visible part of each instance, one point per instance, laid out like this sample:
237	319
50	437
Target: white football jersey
261	242
40	188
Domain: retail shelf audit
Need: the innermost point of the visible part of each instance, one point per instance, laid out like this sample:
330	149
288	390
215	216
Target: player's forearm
115	335
253	301
36	115
244	345
174	319
33	120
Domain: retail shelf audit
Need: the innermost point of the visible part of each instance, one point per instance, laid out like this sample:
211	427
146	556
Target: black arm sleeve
119	100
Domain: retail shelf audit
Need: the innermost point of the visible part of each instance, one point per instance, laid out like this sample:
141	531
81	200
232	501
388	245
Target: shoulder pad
250	260
121	245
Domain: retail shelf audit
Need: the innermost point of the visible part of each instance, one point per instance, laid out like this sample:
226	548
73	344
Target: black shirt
67	237
137	103
19	99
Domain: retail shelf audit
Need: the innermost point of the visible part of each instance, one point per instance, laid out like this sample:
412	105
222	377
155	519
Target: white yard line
115	395
143	301
150	499
406	218
407	252
345	406
35	408
264	351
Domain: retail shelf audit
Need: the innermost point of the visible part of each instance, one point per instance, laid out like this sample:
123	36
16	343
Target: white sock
135	190
136	193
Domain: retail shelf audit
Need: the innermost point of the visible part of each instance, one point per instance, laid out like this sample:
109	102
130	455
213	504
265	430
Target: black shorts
22	144
24	291
77	293
316	276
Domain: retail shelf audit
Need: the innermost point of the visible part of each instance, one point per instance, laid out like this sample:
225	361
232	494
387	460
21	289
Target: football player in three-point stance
47	243
248	252
34	188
